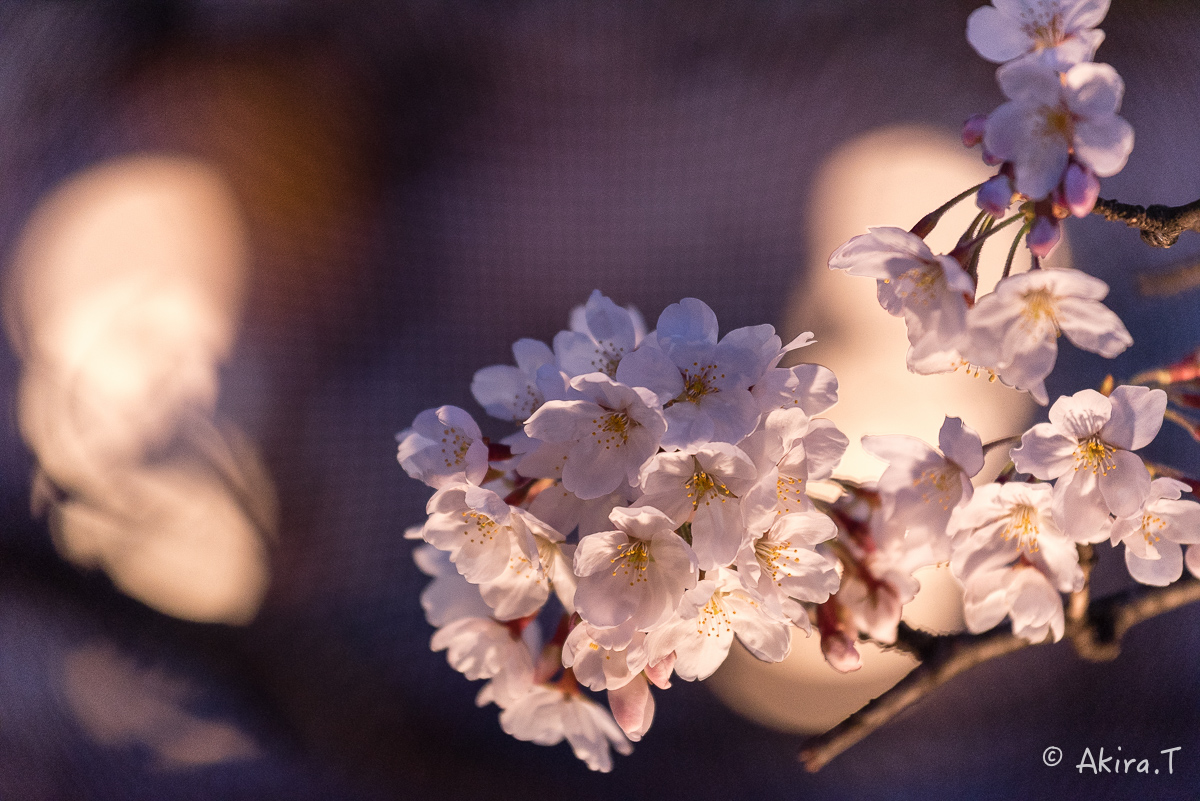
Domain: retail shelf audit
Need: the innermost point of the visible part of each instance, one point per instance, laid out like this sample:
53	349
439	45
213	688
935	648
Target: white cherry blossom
1058	33
930	292
547	714
444	446
602	333
514	393
1014	329
704	487
1086	446
636	574
704	383
784	566
811	387
1048	121
921	487
598	667
607	430
789	450
712	613
1153	532
1013	560
479	530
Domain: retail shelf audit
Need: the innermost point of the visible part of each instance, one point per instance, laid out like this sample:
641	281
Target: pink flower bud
972	130
1043	236
995	196
1081	187
991	159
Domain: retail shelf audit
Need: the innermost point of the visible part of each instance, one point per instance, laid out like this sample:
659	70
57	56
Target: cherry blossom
547	714
930	292
1086	446
1153	532
784	566
921	487
478	529
636	574
711	614
602	333
598	667
1049	121
1014	330
703	487
789	451
1013	560
608	431
514	393
704	383
810	387
1058	33
444	446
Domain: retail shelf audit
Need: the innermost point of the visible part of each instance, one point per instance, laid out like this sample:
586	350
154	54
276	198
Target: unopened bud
995	196
972	130
991	159
1081	188
1043	236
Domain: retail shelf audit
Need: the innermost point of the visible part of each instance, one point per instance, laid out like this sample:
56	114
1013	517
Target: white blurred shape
890	177
126	292
120	703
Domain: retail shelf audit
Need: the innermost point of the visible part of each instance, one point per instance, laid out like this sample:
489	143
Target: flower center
454	447
697	382
935	485
920	284
1095	454
790	492
769	555
613	429
1150	524
713	617
1045	33
1057	123
633	558
1023	527
1039	309
479	528
702	485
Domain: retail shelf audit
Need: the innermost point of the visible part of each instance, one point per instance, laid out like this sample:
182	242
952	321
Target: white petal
1137	416
1156	572
995	36
1126	485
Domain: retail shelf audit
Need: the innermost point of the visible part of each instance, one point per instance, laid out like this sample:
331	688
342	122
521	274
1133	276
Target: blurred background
245	243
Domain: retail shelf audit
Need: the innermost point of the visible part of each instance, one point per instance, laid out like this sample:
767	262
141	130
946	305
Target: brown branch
1096	636
1161	226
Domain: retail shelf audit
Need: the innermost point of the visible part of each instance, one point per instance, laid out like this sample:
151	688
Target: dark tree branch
1161	226
1096	635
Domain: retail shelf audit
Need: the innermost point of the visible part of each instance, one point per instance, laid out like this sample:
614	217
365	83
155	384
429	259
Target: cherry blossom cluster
1059	132
653	498
656	498
1056	134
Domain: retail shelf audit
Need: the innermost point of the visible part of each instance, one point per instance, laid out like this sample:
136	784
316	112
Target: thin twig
1161	226
1096	636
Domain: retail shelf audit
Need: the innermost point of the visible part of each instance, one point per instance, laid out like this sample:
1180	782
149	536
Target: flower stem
1012	251
927	223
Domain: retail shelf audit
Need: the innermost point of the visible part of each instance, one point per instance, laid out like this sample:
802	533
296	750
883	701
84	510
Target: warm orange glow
891	177
126	294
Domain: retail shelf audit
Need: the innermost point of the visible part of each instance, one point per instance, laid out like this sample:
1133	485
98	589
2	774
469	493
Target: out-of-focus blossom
1153	532
1014	330
1057	33
1013	561
1049	120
